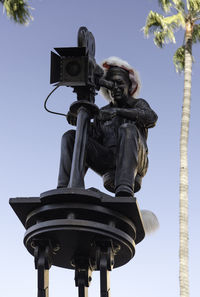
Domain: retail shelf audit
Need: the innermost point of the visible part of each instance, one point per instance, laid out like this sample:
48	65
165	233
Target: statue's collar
129	103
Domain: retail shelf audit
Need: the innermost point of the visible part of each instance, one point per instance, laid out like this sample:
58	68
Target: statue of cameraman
116	146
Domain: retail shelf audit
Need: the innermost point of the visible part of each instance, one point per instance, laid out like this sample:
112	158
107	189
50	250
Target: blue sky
30	140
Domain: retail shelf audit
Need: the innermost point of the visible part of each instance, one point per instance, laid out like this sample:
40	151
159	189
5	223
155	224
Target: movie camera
76	66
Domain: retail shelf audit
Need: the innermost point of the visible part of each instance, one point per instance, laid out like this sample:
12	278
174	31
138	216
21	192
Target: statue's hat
133	76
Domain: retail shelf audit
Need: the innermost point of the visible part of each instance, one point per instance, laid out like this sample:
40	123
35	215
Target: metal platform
79	229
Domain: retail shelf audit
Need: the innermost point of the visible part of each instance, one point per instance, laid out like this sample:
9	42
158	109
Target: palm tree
180	15
17	10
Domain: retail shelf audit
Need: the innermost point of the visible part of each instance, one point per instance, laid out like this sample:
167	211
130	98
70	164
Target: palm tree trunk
183	190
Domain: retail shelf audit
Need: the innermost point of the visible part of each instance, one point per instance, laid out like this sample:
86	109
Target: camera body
76	67
72	67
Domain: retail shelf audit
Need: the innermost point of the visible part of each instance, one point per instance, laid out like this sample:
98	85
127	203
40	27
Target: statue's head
120	77
125	77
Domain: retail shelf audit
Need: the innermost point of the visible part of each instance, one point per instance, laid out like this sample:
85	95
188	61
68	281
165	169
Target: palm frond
175	21
159	38
196	34
179	59
165	5
163	27
194	6
18	10
154	22
162	37
179	5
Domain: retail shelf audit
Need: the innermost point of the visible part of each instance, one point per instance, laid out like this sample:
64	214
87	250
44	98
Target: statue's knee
68	137
128	129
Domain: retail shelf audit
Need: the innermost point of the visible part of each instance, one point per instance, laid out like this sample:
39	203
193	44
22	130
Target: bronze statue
85	229
116	146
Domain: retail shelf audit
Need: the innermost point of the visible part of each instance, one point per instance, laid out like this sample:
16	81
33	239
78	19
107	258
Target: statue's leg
99	157
67	146
126	159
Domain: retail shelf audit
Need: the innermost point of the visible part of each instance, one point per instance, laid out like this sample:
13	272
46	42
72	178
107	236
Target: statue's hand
107	114
71	118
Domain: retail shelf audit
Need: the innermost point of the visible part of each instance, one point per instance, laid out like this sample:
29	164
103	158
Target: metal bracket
105	263
83	276
42	255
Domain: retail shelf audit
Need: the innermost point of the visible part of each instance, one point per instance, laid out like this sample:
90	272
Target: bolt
117	248
56	248
111	224
71	216
33	245
72	263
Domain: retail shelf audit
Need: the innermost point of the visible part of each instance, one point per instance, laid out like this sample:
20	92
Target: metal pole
42	265
78	160
83	277
104	276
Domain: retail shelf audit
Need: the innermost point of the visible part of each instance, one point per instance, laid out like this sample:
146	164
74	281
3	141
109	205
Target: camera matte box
76	77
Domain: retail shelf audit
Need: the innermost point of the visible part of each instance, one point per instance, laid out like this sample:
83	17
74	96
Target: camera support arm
85	109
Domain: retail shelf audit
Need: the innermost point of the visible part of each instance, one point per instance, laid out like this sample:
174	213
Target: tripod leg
105	263
42	264
82	291
82	280
43	278
104	276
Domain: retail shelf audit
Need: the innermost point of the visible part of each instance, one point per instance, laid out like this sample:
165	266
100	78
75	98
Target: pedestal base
82	229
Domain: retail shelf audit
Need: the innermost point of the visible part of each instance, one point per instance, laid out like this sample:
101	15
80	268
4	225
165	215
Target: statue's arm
94	129
141	113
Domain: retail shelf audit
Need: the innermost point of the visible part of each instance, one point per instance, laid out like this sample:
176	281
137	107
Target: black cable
45	103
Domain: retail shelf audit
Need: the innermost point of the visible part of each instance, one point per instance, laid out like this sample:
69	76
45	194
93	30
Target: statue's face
122	83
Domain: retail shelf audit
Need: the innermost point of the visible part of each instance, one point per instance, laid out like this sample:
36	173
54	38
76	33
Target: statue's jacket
137	111
137	115
116	145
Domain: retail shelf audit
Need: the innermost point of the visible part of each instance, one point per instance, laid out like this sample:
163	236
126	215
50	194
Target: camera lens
73	68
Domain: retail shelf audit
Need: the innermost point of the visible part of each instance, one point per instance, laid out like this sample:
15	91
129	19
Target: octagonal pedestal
79	229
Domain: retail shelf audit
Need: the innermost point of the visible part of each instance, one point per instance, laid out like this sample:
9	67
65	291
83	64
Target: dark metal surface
126	206
23	206
106	262
77	237
91	108
77	67
78	170
42	255
83	277
86	39
75	219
